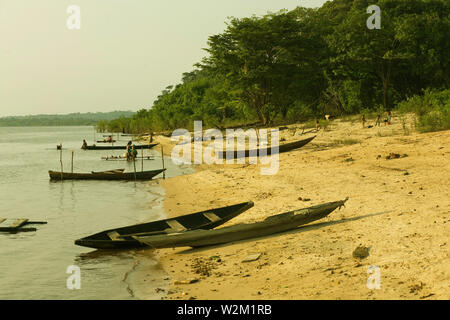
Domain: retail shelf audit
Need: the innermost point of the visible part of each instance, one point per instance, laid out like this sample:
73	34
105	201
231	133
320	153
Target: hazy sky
125	53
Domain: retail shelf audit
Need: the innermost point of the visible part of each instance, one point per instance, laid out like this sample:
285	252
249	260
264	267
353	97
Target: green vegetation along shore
299	65
72	119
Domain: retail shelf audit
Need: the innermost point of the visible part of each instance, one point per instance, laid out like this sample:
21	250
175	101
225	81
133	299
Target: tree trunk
256	101
445	75
261	115
385	76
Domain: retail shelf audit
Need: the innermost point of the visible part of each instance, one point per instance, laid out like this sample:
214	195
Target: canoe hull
127	176
236	154
207	219
274	224
143	146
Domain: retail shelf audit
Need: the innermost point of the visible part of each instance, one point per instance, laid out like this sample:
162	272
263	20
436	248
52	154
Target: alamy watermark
74	19
374	21
74	280
232	150
374	279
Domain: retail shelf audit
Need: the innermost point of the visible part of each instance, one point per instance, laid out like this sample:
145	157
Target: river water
33	265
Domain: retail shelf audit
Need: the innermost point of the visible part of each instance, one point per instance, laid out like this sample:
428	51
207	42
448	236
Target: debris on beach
304	199
361	252
176	282
217	258
395	156
416	288
204	267
252	257
264	195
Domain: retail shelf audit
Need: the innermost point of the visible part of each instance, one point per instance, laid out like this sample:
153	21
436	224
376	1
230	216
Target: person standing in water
134	152
128	150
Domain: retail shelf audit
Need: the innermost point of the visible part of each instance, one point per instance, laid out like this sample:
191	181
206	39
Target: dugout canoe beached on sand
122	238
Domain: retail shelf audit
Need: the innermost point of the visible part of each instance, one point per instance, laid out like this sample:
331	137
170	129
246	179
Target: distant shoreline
48	125
63	120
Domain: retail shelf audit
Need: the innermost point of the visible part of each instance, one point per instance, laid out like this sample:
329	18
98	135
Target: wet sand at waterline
398	208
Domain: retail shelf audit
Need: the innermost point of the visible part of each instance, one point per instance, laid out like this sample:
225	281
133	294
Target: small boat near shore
110	171
124	158
142	146
274	224
17	225
264	151
122	238
105	175
106	141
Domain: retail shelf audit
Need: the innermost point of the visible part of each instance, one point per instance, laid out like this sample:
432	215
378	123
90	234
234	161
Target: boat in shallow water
274	224
122	238
105	175
124	158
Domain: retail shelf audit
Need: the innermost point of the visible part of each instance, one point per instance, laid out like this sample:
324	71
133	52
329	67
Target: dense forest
297	65
72	119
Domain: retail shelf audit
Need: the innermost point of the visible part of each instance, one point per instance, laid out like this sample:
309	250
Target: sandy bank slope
399	208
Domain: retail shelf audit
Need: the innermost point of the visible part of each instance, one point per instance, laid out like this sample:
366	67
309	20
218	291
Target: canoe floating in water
141	146
274	224
110	171
122	238
17	225
264	151
106	141
121	158
105	175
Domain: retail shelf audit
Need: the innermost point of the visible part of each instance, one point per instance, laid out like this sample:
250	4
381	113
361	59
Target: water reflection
140	273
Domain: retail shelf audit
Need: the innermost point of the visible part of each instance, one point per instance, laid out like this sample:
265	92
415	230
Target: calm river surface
33	265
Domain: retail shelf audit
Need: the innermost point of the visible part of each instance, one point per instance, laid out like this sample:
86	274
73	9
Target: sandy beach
397	182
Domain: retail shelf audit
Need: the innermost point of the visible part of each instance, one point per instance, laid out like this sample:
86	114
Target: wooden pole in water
162	157
72	161
134	164
60	160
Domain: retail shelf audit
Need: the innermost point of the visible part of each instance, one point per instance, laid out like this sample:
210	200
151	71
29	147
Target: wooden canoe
17	225
264	151
122	238
105	141
141	146
110	171
274	224
106	175
121	158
